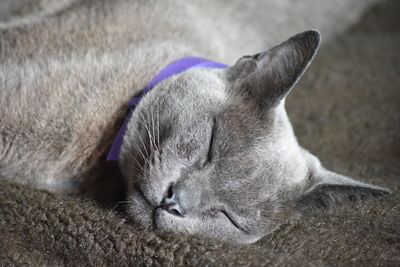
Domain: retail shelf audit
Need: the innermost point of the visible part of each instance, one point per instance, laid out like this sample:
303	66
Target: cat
208	151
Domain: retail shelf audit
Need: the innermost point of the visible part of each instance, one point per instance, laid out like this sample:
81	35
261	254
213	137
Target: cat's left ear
269	76
326	189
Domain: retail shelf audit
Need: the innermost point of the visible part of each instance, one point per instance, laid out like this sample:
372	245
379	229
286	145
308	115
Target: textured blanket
346	110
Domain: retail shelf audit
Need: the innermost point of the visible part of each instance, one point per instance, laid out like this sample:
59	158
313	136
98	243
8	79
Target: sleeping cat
207	151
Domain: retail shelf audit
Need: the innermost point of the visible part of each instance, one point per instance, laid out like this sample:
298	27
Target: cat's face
212	152
225	159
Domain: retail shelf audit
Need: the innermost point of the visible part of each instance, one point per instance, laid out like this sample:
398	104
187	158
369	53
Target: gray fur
68	72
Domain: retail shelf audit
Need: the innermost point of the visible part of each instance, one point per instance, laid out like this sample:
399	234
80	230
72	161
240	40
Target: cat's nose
171	202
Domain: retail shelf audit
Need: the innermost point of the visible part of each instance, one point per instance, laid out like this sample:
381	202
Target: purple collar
174	68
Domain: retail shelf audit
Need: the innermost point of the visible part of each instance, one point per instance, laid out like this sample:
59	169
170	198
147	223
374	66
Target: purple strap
172	69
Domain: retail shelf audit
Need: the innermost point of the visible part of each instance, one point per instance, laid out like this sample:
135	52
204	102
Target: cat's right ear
269	76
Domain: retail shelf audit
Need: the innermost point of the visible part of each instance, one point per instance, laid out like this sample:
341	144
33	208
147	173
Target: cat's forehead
202	92
195	88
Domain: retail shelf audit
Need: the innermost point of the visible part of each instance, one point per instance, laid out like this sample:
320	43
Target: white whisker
148	131
141	139
152	129
158	125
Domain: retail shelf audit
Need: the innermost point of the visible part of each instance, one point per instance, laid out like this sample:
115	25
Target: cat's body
67	73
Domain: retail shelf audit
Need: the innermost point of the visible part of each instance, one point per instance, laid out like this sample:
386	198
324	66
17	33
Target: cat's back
66	74
62	89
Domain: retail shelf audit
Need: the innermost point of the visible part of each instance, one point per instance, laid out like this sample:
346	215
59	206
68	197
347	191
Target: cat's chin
165	221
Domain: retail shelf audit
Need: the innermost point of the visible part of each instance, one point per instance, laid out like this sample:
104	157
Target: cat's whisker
158	125
144	146
152	127
156	147
137	162
148	132
141	139
143	157
145	124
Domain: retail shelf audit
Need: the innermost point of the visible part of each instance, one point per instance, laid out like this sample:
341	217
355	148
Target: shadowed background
346	110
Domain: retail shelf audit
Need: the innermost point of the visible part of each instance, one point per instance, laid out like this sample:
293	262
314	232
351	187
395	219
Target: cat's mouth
145	213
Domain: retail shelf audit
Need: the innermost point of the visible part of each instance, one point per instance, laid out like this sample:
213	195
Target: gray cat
208	151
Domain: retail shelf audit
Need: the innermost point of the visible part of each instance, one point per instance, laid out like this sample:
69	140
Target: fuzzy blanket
346	110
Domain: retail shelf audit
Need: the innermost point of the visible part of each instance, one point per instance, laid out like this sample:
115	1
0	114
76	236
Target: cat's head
212	151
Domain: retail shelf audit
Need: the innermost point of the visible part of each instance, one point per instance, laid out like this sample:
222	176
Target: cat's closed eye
211	146
231	219
229	216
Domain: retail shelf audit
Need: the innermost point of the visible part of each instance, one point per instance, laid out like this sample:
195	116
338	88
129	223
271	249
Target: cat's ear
270	75
326	189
